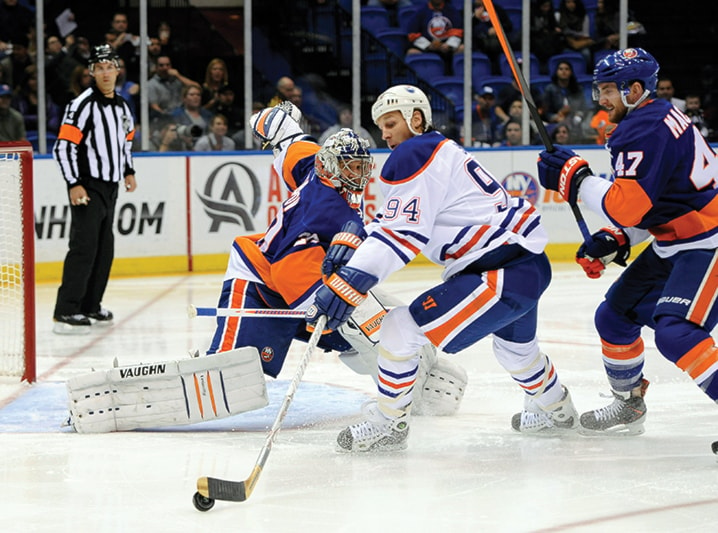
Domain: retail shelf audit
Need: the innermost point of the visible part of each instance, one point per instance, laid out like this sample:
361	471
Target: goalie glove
340	295
563	171
609	244
342	247
277	126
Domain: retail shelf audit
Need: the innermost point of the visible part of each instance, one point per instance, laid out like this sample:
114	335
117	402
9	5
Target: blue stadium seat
406	14
575	58
539	83
450	86
515	16
495	82
426	65
586	83
480	65
374	19
395	40
506	69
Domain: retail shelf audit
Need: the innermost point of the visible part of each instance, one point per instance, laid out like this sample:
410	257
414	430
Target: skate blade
621	430
66	329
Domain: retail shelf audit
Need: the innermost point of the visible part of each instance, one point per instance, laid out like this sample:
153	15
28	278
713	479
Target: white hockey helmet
345	161
404	98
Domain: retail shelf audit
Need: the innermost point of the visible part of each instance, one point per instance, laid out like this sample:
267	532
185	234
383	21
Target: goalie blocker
216	386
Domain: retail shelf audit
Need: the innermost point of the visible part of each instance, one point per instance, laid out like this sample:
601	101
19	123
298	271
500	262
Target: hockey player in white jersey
440	201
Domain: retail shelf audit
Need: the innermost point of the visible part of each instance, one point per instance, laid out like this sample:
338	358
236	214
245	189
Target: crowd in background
207	114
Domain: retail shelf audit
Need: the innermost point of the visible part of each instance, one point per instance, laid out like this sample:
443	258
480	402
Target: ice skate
71	325
555	418
376	433
624	416
103	317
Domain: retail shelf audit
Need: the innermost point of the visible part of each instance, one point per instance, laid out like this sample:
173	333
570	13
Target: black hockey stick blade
230	491
714	447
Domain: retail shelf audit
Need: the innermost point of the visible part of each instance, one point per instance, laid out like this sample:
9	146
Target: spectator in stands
79	81
666	91
154	51
484	35
345	118
285	90
226	106
546	36
575	25
600	127
695	113
164	137
514	134
15	63
561	134
26	100
437	27
78	48
608	25
485	121
239	137
563	100
216	140
125	44
510	93
215	77
127	89
15	20
12	125
58	70
516	109
164	89
191	113
308	123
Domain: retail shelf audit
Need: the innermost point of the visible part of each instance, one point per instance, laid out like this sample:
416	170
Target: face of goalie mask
344	160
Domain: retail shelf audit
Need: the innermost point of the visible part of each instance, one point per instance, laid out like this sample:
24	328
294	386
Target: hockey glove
340	295
342	247
606	245
563	171
274	126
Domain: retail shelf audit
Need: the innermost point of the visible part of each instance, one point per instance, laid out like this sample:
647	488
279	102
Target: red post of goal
28	267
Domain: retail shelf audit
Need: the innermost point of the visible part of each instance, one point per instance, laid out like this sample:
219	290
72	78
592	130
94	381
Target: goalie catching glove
342	247
277	126
609	244
339	296
563	171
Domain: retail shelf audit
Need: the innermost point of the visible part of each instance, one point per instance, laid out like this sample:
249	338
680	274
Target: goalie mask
344	160
406	99
623	68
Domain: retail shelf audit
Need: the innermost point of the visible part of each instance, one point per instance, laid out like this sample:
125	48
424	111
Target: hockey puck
714	447
202	503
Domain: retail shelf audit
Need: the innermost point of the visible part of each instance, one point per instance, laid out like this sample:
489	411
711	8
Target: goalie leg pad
169	393
440	385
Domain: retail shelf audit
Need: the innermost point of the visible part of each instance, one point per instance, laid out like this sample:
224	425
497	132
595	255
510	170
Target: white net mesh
12	284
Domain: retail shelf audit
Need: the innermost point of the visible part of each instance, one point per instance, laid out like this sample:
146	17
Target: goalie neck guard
345	161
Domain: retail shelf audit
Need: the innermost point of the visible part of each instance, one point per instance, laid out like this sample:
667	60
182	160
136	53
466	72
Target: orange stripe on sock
393	385
199	396
702	355
622	352
705	298
540	383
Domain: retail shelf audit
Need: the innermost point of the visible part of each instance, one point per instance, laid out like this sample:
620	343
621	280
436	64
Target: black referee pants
92	249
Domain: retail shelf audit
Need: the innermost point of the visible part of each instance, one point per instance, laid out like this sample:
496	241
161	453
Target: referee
93	150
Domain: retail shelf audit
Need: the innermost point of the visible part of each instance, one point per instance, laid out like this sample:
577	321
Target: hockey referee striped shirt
95	139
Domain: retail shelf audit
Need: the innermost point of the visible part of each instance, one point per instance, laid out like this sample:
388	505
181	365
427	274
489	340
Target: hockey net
17	262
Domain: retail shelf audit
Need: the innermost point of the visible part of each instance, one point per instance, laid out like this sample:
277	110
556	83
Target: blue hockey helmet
626	66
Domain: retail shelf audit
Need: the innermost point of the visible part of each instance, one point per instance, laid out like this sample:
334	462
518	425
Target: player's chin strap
440	384
631	107
170	393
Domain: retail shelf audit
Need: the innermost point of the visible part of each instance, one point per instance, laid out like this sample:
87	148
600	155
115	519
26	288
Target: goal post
17	262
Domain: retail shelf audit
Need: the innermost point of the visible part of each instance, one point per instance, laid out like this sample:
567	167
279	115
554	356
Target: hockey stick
210	489
194	311
526	93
